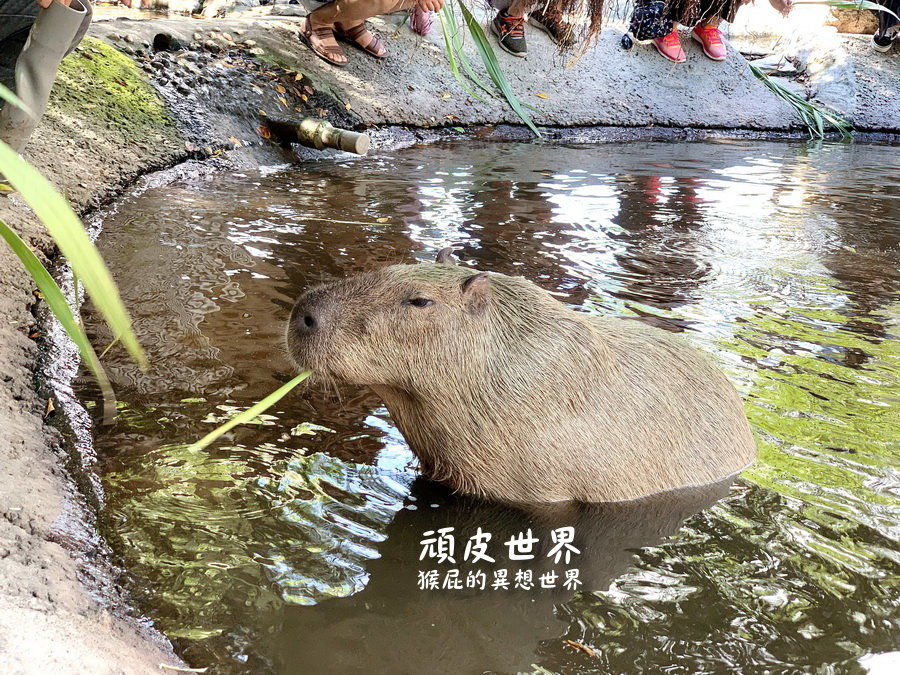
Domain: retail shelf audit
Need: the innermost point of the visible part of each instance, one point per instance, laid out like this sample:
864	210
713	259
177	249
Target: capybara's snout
305	326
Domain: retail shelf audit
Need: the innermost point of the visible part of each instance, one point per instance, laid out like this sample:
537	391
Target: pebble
212	46
227	37
197	37
128	38
256	51
182	89
249	43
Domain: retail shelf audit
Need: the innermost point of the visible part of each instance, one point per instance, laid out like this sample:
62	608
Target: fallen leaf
284	102
348	106
446	95
264	131
263	113
38	294
307	89
236	142
280	89
382	220
580	647
50	408
541	94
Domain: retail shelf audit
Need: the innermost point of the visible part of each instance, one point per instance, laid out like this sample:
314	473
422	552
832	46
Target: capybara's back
504	392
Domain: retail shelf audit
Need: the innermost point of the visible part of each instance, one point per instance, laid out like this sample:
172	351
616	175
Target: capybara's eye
420	302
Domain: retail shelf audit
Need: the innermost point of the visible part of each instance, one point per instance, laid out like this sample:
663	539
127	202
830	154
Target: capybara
504	392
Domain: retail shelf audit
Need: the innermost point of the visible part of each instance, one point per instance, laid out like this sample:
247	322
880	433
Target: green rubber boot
56	32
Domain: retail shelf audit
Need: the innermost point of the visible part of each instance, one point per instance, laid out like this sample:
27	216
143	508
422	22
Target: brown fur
503	392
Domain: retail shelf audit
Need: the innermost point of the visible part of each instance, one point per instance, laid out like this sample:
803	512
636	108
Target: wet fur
503	392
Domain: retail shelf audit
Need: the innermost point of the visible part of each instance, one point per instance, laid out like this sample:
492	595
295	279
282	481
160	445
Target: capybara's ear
476	290
445	256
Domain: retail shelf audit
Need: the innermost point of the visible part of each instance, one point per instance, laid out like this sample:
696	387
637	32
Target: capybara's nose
307	322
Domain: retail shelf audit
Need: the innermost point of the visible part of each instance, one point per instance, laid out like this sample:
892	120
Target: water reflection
284	545
393	629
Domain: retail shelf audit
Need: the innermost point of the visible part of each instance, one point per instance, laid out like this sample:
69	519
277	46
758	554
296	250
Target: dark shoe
510	32
552	24
884	38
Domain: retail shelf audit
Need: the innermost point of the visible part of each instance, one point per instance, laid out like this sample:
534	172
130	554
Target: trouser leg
16	19
351	12
57	30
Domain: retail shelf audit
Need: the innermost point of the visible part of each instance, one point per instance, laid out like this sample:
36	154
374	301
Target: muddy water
295	545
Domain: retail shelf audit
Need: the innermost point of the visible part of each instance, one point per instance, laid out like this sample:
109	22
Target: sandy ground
60	609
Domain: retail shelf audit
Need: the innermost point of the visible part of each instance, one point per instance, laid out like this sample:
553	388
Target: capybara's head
411	327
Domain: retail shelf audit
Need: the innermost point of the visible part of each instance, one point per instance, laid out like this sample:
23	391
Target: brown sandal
326	53
362	38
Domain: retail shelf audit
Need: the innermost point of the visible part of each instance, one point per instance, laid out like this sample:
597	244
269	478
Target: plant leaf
74	243
56	301
489	58
250	413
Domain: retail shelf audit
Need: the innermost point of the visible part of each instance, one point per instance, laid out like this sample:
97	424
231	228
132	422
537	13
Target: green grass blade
250	413
56	301
74	243
849	4
489	58
450	47
813	116
453	31
7	95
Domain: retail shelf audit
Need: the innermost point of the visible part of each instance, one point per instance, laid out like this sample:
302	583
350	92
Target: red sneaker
670	47
711	39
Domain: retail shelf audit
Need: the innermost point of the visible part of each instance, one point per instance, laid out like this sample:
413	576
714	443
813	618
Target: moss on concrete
100	80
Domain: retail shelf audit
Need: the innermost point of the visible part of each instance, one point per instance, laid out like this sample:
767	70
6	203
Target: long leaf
56	301
813	116
7	95
450	47
489	58
452	31
74	243
250	413
849	4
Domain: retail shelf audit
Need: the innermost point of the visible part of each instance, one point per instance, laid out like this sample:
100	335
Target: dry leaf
348	106
264	131
307	89
580	647
284	102
541	94
382	220
446	95
236	142
280	89
50	408
263	113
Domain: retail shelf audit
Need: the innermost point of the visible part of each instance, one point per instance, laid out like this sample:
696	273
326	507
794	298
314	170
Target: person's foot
360	36
710	38
321	39
670	47
553	25
510	32
882	41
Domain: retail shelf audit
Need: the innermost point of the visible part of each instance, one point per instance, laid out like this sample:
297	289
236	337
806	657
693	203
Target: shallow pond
295	545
